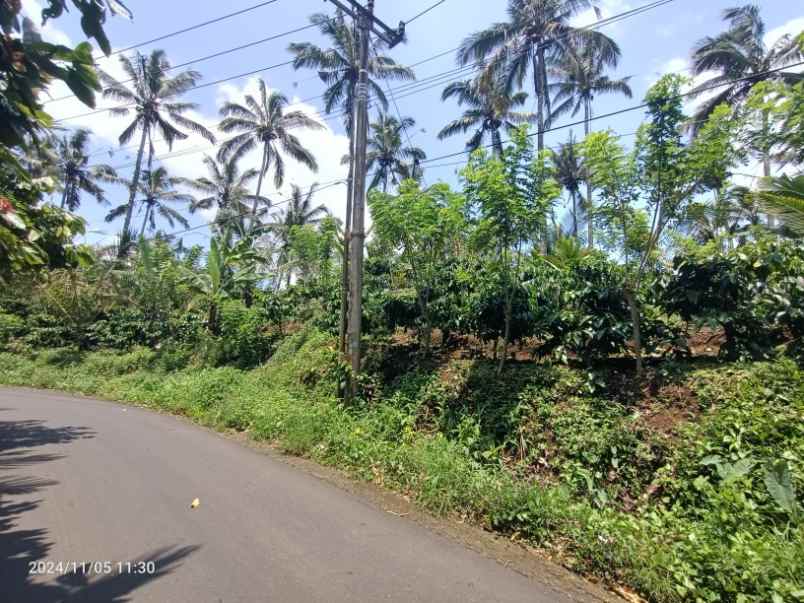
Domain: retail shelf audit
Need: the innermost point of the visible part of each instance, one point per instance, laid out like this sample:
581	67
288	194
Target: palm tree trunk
496	142
145	221
766	161
574	215
538	66
135	181
590	210
212	318
67	186
263	167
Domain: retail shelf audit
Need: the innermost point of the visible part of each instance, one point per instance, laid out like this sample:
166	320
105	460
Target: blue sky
652	43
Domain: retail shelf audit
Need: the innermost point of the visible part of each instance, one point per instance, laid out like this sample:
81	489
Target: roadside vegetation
595	350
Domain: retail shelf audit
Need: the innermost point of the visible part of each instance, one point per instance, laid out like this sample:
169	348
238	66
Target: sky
652	43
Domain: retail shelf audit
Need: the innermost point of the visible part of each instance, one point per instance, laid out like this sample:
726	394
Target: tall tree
74	172
228	190
158	196
264	124
153	96
570	174
425	226
387	157
512	196
535	36
339	69
490	108
580	78
727	216
648	191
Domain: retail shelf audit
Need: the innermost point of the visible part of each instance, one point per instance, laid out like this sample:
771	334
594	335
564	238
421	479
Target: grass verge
686	515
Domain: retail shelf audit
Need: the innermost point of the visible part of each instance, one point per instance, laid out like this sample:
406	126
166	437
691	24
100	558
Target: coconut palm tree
229	191
264	124
535	36
299	212
489	109
74	172
387	158
158	193
740	53
339	66
153	97
580	78
570	174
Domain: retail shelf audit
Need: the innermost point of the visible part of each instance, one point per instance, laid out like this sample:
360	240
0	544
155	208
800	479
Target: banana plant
227	270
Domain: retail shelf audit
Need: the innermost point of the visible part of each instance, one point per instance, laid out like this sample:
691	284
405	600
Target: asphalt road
89	481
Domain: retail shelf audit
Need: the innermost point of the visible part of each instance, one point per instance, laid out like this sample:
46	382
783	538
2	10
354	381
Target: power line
210	56
424	12
196	87
406	90
399	113
695	92
600	23
194	27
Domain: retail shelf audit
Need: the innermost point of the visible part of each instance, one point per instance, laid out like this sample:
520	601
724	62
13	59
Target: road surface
90	482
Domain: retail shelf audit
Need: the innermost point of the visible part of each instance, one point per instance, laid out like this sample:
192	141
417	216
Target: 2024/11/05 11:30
90	567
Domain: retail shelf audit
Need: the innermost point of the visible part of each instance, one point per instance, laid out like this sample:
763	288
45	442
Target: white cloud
50	33
792	27
674	65
607	8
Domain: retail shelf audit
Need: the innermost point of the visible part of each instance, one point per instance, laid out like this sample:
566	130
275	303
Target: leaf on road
195	504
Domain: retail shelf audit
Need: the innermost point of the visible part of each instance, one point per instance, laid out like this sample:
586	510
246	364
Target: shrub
123	329
48	331
582	309
755	294
11	327
247	337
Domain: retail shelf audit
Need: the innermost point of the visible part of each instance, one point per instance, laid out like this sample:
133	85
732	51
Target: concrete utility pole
367	24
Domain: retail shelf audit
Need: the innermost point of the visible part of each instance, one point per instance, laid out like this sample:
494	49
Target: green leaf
779	483
712	459
78	84
13	219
